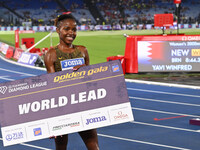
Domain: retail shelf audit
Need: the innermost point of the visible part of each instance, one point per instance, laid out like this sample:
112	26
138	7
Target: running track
161	115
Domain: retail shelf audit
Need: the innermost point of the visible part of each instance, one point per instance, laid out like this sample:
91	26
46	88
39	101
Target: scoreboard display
168	56
161	20
178	53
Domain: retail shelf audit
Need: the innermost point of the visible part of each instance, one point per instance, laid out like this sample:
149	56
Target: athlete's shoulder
81	47
52	50
51	53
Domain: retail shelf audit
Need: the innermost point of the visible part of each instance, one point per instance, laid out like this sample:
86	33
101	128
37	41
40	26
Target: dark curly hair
63	17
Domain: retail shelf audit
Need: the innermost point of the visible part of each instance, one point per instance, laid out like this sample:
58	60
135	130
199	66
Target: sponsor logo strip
66	124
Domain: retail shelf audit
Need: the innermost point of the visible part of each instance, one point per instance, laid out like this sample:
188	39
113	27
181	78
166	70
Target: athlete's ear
57	30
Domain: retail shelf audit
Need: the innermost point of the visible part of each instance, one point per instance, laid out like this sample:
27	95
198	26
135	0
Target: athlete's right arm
49	59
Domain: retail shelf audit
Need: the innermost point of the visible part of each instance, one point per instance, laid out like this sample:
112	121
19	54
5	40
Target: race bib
70	63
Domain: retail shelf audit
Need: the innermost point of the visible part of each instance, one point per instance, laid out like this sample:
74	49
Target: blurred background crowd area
95	12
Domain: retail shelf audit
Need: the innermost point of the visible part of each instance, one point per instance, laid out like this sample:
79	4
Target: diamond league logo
3	89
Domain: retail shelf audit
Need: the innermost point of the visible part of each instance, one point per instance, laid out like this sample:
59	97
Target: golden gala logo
79	75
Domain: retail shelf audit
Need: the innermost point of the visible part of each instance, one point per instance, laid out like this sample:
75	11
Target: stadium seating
79	11
42	12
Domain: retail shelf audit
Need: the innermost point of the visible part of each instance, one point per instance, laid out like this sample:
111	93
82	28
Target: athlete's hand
75	68
54	137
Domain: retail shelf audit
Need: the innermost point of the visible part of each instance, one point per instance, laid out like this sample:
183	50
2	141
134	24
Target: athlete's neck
65	47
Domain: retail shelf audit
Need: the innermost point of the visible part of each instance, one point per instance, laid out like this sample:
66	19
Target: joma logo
96	119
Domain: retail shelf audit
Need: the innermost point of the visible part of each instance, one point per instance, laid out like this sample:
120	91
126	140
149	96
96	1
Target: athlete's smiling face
67	31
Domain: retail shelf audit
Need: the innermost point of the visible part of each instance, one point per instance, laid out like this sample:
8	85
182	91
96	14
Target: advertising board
63	102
